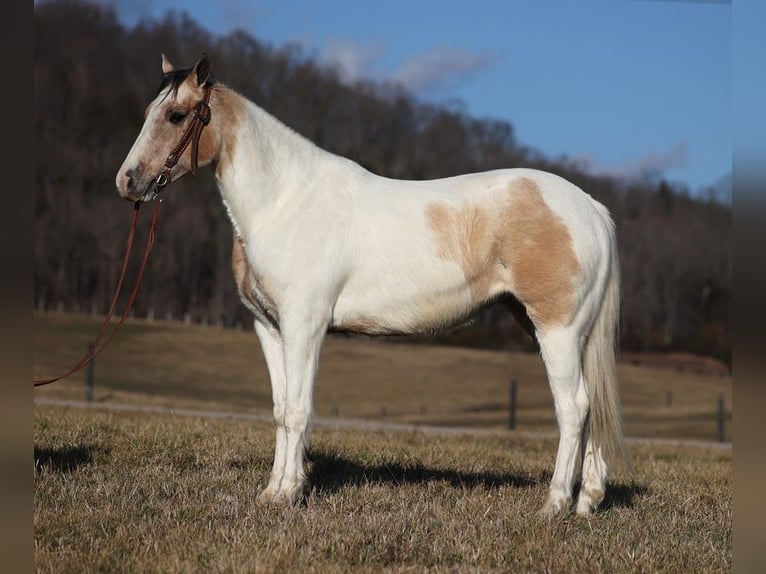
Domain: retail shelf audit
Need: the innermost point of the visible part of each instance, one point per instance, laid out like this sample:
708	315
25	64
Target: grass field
176	365
158	493
129	492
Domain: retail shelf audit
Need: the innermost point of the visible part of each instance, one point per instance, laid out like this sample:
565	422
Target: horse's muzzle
131	186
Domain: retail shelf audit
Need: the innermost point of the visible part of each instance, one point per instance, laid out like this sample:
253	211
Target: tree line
93	77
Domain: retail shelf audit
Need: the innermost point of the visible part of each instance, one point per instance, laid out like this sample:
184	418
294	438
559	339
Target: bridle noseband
191	135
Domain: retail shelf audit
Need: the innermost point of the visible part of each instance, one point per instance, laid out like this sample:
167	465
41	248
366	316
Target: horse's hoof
554	507
266	497
279	498
589	500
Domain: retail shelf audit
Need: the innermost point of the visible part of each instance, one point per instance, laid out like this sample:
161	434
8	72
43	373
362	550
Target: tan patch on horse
229	113
466	235
524	237
537	247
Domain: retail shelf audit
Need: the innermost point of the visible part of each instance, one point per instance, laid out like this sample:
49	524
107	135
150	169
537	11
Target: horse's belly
403	305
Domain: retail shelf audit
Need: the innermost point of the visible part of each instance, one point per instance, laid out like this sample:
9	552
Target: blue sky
620	86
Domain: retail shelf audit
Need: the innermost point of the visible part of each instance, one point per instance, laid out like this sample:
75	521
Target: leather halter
191	135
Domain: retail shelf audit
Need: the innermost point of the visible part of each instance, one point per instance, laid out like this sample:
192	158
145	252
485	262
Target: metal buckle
162	180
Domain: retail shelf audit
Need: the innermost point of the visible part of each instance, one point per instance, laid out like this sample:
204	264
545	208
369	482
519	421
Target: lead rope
191	135
94	350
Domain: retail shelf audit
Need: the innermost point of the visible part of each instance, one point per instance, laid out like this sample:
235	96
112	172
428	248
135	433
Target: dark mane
174	79
177	77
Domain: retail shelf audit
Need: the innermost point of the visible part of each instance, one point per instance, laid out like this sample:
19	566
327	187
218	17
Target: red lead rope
94	349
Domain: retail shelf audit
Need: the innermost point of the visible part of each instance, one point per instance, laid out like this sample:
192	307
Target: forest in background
93	78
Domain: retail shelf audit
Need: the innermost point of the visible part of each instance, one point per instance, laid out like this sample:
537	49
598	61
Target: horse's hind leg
561	351
593	479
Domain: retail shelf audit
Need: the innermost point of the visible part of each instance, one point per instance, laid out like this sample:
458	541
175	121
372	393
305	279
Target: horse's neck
264	165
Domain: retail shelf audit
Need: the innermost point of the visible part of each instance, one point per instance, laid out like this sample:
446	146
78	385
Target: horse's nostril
125	182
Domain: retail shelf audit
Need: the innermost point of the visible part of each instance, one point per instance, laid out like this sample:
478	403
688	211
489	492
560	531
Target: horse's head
167	120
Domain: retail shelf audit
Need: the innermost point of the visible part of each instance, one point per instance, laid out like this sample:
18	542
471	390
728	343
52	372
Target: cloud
352	60
651	165
656	163
442	68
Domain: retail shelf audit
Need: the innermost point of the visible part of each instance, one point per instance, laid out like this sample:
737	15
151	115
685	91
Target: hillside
177	365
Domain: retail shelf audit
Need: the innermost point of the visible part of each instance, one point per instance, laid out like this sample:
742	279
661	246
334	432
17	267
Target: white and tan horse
323	244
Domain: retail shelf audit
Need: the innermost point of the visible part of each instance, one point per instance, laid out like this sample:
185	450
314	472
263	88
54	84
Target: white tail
600	367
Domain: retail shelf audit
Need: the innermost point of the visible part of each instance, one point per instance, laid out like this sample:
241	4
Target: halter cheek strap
191	135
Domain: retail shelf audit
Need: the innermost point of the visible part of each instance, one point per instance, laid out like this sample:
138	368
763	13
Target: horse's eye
176	117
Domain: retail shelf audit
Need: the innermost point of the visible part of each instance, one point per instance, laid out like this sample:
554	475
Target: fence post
512	418
90	376
721	418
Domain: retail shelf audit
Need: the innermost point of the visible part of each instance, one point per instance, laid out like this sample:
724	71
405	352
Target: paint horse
324	245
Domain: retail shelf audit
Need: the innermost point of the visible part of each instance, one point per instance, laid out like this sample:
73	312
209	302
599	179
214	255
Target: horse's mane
177	77
174	79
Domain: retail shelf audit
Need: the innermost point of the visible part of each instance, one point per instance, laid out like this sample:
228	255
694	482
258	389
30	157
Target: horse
322	245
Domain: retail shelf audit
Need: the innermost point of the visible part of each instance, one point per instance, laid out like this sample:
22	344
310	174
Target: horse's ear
202	70
167	67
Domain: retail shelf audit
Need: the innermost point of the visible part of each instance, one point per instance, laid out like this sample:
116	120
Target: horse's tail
599	362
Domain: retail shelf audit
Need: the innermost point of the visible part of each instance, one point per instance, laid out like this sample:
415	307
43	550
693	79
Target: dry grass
153	493
204	367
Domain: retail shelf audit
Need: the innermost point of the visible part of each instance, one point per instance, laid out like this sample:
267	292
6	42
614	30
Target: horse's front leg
271	343
302	338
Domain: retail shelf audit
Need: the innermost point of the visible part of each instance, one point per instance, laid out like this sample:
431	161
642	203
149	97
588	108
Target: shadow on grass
66	458
622	495
330	472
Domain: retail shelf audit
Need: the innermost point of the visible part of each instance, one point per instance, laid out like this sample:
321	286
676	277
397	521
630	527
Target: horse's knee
296	419
572	412
279	413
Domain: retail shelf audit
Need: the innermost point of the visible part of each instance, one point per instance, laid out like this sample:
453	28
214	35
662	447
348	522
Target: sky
622	87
